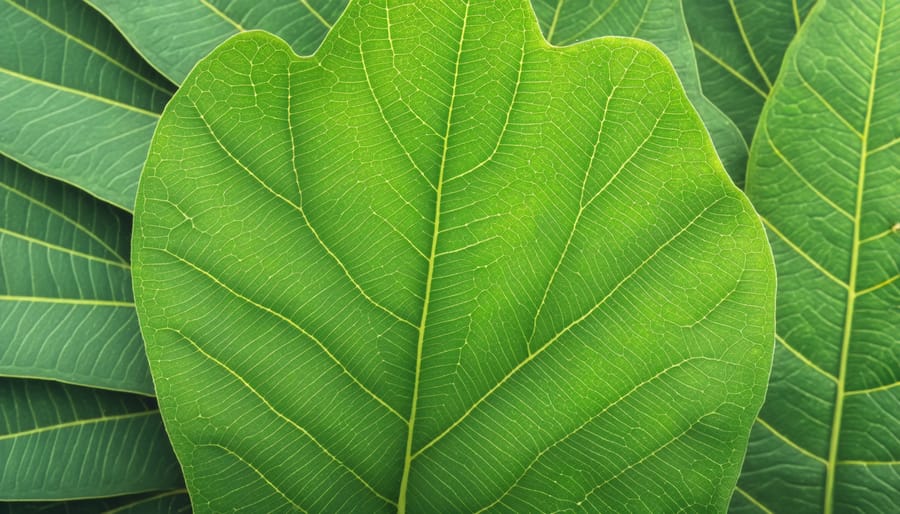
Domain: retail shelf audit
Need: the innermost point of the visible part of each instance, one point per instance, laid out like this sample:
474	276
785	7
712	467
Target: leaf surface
66	306
77	103
739	46
174	34
442	266
175	501
824	175
661	22
64	442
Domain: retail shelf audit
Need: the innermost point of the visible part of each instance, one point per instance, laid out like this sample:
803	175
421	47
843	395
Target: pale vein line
566	329
830	470
512	105
804	359
258	472
750	51
868	463
552	29
316	14
362	60
77	423
78	92
872	389
803	254
408	456
796	15
127	507
643	459
894	229
878	286
78	226
885	146
290	322
90	47
302	213
753	500
799	175
74	253
66	301
790	443
727	67
615	402
278	413
825	101
596	21
222	15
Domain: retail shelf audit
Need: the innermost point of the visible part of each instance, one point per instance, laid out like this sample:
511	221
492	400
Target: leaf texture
442	266
661	22
174	34
66	306
824	175
64	442
77	103
175	501
739	46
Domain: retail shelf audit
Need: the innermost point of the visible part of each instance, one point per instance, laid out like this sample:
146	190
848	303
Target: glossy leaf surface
64	442
66	307
739	46
661	22
77	103
174	34
824	174
442	266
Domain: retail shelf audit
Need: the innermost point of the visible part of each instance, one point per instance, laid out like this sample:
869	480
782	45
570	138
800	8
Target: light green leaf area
740	45
174	34
66	442
175	501
661	22
77	103
443	266
825	175
66	306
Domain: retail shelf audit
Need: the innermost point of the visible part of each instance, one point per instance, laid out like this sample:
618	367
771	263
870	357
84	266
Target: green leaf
77	103
66	306
661	22
442	266
739	47
824	175
65	442
175	501
174	34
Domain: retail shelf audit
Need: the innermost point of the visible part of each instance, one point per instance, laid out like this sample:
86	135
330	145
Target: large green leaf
66	308
825	175
174	34
175	501
661	22
61	442
740	45
442	266
76	102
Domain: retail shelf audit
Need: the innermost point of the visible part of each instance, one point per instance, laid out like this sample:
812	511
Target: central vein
408	456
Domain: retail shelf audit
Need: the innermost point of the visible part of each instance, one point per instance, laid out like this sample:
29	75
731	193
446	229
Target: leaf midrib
852	293
408	453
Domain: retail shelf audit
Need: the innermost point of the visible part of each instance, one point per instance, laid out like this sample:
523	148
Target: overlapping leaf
76	102
174	34
661	22
740	45
63	442
66	307
442	266
175	501
824	175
